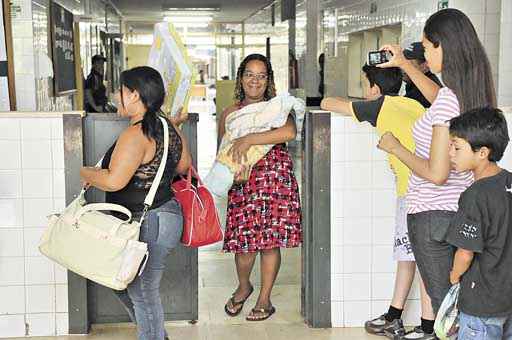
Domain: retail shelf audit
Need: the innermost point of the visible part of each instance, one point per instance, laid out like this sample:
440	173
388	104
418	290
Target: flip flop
266	313
237	303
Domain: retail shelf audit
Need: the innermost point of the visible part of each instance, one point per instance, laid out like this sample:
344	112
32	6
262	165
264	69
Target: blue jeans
477	328
161	230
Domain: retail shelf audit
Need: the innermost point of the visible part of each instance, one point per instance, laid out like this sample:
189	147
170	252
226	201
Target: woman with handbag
128	170
263	212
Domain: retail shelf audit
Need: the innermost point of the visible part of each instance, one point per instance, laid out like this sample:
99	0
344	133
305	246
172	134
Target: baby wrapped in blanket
253	118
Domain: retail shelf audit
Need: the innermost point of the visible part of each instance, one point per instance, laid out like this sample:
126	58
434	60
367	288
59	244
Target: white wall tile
382	176
337	287
61	274
356	287
61	292
36	154
10	128
356	231
40	299
358	175
356	313
384	203
59	183
337	203
382	286
41	324
62	320
37	183
12	271
12	326
337	314
337	176
57	128
337	232
357	203
10	184
383	230
58	153
377	154
59	204
379	307
11	242
36	128
338	124
356	259
13	300
337	148
358	147
493	6
11	213
36	211
492	25
32	237
11	155
39	271
351	127
382	259
337	259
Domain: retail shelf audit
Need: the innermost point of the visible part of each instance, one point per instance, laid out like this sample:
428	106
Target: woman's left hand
388	143
239	149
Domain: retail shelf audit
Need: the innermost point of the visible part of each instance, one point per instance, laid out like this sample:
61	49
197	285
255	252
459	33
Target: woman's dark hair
389	80
466	68
150	86
481	127
270	91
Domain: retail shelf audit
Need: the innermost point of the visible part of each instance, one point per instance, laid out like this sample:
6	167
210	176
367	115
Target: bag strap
148	201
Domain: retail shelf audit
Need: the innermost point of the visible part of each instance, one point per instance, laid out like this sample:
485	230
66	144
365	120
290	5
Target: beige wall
137	55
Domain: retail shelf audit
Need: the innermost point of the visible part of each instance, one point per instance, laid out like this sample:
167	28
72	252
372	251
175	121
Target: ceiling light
192	9
188	19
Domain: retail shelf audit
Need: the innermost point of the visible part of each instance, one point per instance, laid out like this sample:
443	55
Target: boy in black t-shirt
482	228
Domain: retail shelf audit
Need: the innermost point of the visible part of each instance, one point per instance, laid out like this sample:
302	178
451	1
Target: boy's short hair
389	80
482	127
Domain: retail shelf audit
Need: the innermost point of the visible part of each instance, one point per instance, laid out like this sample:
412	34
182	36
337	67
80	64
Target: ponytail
149	84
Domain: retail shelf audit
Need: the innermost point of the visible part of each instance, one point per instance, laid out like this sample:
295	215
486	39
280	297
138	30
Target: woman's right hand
397	58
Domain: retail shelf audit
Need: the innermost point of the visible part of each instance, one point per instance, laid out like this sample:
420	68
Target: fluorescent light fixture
193	9
188	19
189	24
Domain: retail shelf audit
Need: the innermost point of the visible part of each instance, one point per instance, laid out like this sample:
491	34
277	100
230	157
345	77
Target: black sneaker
395	329
377	326
418	334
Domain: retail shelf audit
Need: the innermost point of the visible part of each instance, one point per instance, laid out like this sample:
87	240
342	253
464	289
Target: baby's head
479	135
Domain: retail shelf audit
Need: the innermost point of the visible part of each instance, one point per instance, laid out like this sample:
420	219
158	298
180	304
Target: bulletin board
63	50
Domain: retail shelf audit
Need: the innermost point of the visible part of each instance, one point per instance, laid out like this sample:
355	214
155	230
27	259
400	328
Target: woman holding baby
263	211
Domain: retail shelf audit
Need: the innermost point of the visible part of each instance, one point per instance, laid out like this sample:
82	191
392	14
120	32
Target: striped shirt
424	195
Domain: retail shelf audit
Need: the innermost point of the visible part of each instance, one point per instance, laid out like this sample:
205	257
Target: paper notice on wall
4	94
3	49
21	10
169	56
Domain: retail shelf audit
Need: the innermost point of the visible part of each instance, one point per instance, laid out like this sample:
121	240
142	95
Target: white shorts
402	250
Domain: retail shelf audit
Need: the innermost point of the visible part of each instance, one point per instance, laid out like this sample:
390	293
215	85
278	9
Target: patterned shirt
424	195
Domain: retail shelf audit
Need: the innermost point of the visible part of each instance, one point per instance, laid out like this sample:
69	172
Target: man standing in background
95	91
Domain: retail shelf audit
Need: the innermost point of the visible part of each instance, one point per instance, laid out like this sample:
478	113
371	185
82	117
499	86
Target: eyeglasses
257	76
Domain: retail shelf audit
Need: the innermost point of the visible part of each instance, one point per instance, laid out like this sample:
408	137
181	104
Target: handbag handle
148	201
101	207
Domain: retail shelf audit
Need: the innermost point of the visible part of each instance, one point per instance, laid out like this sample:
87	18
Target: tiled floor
217	280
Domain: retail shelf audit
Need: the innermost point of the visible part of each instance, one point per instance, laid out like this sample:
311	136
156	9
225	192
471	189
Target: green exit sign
442	4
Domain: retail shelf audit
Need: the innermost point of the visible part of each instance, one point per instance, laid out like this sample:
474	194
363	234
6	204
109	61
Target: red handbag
201	225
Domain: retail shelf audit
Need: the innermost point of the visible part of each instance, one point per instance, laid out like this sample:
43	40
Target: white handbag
98	246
